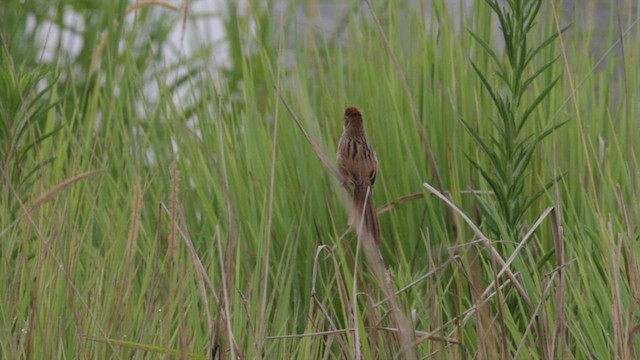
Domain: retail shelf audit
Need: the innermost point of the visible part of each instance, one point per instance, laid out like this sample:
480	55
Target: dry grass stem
394	204
418	280
173	210
405	337
559	346
520	246
134	226
342	288
141	4
49	194
322	155
485	241
225	299
534	317
423	334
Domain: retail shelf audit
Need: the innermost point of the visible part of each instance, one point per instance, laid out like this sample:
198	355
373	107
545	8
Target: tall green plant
510	151
24	107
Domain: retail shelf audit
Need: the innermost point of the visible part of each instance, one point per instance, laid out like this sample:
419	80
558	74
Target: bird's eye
346	121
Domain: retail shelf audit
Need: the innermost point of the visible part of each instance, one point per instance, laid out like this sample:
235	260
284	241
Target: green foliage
27	100
511	150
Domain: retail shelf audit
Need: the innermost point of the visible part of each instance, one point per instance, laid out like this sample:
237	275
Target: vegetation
158	202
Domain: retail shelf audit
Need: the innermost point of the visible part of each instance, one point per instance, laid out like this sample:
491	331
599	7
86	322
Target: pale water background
205	26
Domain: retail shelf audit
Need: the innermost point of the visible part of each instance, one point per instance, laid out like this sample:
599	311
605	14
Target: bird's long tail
363	199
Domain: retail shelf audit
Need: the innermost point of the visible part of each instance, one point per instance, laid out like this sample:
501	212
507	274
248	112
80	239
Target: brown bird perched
358	166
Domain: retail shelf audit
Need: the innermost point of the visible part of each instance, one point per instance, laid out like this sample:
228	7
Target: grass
152	209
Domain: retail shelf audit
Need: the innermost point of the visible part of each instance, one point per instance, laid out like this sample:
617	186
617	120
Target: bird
358	167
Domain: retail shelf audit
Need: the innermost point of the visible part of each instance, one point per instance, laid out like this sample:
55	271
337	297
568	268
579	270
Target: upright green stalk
510	152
